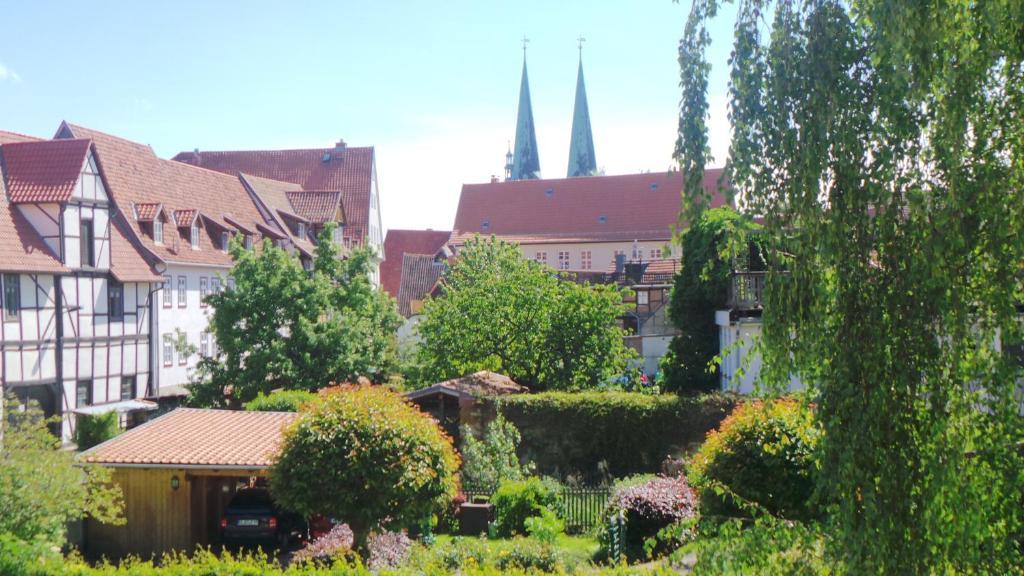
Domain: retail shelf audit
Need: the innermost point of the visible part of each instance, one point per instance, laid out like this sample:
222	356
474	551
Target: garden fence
582	506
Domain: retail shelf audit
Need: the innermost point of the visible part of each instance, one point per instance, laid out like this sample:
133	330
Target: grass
578	548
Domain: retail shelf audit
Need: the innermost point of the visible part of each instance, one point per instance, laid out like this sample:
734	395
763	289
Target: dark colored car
252	517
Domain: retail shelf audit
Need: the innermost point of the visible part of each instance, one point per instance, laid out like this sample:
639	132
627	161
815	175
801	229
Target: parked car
252	517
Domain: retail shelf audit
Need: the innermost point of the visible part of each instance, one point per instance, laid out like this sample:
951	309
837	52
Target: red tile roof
43	171
626	207
419	276
7	137
274	196
196	437
135	175
185	218
146	212
348	170
319	207
129	260
397	244
22	249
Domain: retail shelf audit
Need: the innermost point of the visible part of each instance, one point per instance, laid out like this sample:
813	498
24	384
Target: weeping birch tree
882	143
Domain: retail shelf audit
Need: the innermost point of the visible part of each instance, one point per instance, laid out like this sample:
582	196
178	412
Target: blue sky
433	85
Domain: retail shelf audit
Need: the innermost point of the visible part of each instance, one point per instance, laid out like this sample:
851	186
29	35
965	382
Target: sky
433	86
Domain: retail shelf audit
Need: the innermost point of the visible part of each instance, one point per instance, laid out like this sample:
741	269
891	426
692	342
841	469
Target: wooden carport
178	472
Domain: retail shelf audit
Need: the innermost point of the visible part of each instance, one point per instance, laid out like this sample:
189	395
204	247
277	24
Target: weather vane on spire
579	42
525	42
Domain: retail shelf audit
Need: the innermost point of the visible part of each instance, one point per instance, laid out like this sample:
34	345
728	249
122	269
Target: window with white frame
12	297
585	260
655	253
127	387
158	230
248	241
194	236
202	291
115	300
542	257
83	393
302	230
182	291
168	291
225	239
215	284
563	260
338	235
642	297
182	345
204	343
168	350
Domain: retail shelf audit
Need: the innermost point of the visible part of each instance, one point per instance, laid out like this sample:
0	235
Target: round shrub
280	401
364	454
762	457
652	505
515	501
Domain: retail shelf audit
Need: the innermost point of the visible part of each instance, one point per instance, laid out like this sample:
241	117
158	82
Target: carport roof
197	438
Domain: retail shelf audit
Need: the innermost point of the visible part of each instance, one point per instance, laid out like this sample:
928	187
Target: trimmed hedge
280	401
573	433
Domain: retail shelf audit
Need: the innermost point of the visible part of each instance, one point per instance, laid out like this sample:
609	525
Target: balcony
746	290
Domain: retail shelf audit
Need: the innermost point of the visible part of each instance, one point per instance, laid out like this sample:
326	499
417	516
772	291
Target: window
182	291
655	253
302	230
338	236
12	296
182	343
202	292
127	387
168	350
87	240
213	346
585	260
225	239
542	257
115	299
168	291
215	284
158	230
563	260
194	237
83	393
204	344
231	283
642	297
248	241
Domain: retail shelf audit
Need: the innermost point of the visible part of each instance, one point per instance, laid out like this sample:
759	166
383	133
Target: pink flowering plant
387	550
328	547
652	505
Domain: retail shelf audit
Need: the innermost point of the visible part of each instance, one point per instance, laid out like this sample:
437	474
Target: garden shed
178	472
464	400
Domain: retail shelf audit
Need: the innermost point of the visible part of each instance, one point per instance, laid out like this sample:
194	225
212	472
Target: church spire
581	148
525	162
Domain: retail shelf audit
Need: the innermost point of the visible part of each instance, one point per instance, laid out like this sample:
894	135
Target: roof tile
419	275
397	244
43	171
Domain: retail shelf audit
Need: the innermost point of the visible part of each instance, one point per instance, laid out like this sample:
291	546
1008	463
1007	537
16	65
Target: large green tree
700	288
42	488
498	311
883	144
284	327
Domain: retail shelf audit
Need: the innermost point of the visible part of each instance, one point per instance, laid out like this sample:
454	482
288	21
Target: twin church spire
523	161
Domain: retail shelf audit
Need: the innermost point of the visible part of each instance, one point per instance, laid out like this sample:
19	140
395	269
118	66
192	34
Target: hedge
574	433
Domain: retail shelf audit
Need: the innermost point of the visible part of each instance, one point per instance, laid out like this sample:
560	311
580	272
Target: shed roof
479	384
197	438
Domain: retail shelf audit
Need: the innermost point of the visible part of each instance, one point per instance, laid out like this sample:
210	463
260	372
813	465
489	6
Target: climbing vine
882	144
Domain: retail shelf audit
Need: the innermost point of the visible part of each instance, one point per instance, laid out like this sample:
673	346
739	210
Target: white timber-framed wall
63	343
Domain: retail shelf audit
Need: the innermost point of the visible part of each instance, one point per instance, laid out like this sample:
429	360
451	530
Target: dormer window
338	235
302	230
195	237
225	239
248	241
158	231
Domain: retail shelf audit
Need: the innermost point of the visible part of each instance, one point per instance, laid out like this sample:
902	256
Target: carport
178	472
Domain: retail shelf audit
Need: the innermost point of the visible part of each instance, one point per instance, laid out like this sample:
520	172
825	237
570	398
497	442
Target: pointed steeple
581	148
525	161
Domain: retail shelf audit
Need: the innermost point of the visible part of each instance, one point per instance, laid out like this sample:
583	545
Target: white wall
602	254
190	318
741	366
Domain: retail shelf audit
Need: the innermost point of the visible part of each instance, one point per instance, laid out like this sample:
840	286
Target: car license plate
248	522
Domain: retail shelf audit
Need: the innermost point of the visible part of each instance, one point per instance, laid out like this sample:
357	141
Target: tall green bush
97	429
761	459
494	458
280	401
593	434
515	501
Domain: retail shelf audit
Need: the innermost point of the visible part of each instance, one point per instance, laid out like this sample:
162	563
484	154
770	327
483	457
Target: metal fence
581	507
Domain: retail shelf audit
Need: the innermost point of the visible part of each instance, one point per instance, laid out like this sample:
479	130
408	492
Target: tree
700	288
494	458
365	455
42	488
882	145
284	327
500	312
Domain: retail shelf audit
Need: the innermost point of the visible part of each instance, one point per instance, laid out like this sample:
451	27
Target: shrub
364	454
494	459
328	547
761	459
94	430
565	433
280	401
546	528
515	501
387	550
651	506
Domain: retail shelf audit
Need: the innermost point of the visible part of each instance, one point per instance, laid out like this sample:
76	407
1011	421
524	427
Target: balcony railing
747	290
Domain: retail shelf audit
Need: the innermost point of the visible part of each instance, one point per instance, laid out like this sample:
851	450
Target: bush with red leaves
653	505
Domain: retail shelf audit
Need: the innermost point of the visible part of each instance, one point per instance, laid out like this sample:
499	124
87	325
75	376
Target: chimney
620	263
339	148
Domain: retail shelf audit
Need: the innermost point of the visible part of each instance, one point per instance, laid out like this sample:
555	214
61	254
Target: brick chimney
339	148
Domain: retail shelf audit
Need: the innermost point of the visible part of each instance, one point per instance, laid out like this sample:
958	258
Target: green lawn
578	548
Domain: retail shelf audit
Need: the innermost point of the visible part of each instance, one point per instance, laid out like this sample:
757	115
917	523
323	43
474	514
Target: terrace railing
746	291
